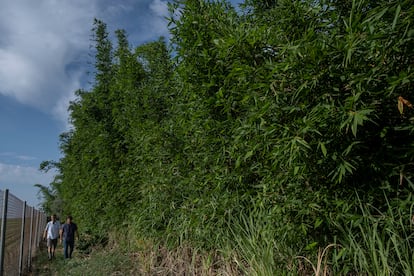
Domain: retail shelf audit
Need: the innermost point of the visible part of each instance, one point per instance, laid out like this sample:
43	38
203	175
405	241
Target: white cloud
60	110
14	155
160	8
43	44
39	40
117	9
22	175
159	23
26	158
20	181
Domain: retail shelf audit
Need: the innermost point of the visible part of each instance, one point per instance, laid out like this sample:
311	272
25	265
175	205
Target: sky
44	57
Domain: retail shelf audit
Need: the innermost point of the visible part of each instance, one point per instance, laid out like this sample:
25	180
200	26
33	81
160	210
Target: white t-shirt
52	230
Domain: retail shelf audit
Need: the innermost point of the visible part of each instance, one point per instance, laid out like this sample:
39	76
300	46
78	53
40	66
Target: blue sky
44	47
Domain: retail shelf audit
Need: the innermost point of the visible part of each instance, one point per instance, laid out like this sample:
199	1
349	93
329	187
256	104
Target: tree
289	107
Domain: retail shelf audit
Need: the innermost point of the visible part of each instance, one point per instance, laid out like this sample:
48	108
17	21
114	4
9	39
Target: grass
99	262
380	242
375	243
150	259
321	267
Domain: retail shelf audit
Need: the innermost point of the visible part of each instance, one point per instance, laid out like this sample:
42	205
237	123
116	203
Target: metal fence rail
20	235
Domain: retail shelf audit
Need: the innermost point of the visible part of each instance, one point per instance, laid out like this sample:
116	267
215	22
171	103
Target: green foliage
288	107
377	242
50	195
253	237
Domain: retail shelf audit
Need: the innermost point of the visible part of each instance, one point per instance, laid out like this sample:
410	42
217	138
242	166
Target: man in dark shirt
67	234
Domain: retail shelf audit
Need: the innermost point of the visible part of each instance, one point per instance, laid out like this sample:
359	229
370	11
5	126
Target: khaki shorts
52	243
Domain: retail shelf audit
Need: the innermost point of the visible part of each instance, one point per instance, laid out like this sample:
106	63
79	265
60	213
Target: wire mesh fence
20	234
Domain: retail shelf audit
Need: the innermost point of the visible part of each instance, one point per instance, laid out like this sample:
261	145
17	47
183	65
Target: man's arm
45	232
61	233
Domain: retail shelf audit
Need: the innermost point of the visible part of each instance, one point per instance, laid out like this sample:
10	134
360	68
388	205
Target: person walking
67	235
51	233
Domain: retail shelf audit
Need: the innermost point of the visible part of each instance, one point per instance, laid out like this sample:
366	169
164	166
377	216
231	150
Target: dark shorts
52	243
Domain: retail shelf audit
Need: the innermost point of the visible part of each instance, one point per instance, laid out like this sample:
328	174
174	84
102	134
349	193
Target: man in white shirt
52	234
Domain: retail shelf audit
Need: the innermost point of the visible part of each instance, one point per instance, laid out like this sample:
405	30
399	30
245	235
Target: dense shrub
289	107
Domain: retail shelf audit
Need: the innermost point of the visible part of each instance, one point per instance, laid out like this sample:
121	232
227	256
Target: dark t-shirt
69	231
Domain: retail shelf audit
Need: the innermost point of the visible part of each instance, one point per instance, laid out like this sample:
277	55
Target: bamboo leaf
311	246
400	106
248	155
397	14
323	149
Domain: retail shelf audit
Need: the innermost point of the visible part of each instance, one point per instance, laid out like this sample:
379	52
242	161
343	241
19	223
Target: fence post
29	256
22	239
37	239
3	230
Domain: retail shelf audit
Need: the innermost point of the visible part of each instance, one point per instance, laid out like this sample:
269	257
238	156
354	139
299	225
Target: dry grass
124	256
148	259
182	261
321	267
